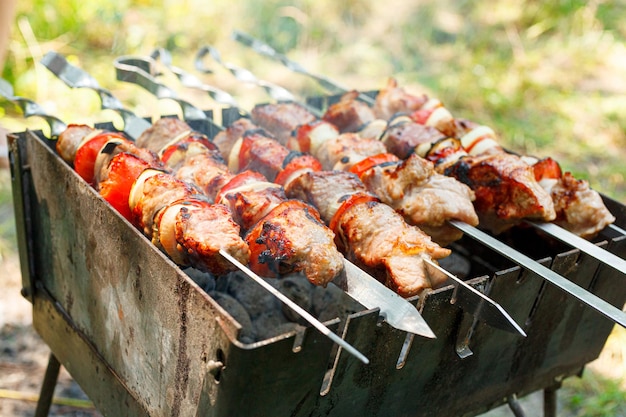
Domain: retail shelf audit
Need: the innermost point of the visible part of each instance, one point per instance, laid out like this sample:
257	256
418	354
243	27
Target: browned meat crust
349	114
161	133
346	150
292	239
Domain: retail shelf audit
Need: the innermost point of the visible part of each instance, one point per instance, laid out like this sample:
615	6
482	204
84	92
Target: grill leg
549	402
47	388
515	406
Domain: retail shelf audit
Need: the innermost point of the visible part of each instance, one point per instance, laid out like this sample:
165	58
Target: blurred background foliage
549	76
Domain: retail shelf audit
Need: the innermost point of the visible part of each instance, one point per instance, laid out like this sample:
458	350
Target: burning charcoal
273	323
204	280
239	313
299	290
331	302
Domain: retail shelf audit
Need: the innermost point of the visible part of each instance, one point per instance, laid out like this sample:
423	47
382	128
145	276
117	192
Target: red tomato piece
86	155
547	168
243	178
365	165
125	168
302	162
421	116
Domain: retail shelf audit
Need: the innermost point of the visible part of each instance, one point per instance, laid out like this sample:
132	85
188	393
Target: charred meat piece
162	132
579	209
193	231
281	119
402	137
349	114
250	197
346	150
393	99
152	191
423	197
206	170
259	152
505	189
291	238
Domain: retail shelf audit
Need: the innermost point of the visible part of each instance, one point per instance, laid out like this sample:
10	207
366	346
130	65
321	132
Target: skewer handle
30	108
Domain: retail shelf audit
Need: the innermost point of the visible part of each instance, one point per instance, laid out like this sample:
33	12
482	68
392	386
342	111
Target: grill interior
142	338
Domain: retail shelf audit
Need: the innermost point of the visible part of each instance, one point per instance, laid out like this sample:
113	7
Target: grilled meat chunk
423	197
349	114
281	119
70	139
250	197
193	231
162	132
403	137
505	189
261	153
291	238
393	99
205	170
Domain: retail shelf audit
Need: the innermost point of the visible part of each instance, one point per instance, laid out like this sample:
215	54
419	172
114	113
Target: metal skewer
551	229
75	77
30	108
399	312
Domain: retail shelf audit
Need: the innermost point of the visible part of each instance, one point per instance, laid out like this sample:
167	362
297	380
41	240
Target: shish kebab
581	294
187	212
547	171
488	314
399	313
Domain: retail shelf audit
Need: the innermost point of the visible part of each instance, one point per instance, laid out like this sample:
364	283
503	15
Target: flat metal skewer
75	77
30	108
302	312
399	312
609	311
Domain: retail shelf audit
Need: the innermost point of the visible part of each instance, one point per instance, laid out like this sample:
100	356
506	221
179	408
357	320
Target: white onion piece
136	191
106	153
320	134
174	141
439	117
373	129
432	103
233	158
166	231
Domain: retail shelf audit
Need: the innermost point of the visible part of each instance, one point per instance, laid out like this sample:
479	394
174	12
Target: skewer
30	108
399	312
82	75
553	230
494	315
133	125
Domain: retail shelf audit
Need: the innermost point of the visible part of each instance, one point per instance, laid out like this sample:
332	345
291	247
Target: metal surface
584	245
594	302
142	339
75	77
302	312
30	108
476	303
372	294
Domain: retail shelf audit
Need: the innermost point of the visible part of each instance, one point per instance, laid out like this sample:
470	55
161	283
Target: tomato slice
421	116
365	165
182	145
243	178
87	154
351	201
301	163
547	168
125	168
